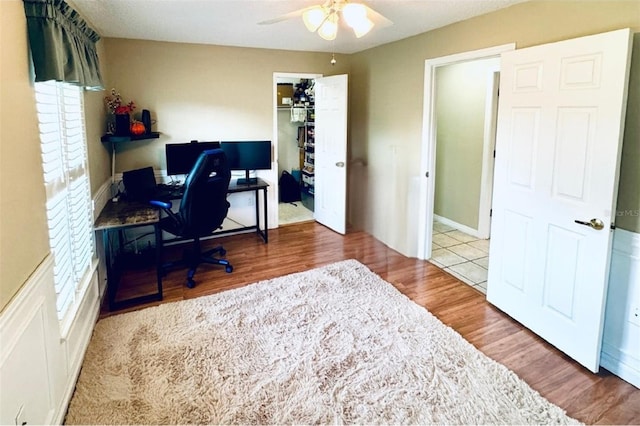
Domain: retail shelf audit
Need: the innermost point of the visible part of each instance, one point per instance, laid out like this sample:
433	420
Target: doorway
459	138
466	111
294	146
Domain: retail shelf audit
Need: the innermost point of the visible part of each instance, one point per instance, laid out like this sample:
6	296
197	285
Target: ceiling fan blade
284	17
377	18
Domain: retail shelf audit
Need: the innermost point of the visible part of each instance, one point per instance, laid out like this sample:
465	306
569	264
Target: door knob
340	164
593	223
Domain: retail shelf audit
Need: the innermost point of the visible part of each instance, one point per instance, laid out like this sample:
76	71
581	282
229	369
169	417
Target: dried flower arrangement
116	105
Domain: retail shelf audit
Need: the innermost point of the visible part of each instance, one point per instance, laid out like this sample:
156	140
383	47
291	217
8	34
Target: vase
146	120
122	125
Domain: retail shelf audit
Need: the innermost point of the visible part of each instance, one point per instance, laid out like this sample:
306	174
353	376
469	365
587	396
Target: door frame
275	185
428	149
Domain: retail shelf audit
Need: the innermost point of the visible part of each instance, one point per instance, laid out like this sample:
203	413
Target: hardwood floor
590	398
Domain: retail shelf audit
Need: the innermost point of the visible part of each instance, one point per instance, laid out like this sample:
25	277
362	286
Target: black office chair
203	207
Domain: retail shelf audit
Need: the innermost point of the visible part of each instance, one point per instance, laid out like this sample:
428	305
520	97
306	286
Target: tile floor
461	255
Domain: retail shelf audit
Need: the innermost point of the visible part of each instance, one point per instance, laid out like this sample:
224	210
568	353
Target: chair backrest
204	204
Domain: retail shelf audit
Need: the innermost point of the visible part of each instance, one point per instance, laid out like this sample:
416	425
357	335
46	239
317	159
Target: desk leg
159	270
266	214
257	203
114	273
111	281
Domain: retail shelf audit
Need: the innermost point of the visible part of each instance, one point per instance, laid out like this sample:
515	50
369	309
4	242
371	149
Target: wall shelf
114	138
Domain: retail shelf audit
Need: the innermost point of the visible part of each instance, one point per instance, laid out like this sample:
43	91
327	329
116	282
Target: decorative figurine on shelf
137	128
121	112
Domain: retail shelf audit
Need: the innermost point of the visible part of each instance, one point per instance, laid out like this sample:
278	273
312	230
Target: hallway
462	255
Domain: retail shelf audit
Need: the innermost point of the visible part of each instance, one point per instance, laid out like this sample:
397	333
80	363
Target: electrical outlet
21	416
634	317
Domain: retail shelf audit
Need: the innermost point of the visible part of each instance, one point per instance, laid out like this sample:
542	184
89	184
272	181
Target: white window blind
64	162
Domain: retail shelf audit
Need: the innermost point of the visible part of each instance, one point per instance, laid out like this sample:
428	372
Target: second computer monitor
246	156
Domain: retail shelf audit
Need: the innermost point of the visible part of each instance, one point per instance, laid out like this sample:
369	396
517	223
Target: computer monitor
247	156
182	156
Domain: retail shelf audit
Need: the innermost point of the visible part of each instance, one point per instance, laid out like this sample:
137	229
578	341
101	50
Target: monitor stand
247	180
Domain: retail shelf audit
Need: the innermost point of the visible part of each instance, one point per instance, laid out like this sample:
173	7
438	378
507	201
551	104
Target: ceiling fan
325	18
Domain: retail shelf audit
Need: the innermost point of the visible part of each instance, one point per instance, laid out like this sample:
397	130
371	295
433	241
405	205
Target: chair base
193	258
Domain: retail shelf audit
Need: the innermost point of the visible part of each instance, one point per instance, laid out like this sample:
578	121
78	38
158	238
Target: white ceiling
235	22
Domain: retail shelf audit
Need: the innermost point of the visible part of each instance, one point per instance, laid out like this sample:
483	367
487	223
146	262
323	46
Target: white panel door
560	122
330	204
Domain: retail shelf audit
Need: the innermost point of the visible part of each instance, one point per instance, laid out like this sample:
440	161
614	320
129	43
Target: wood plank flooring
591	398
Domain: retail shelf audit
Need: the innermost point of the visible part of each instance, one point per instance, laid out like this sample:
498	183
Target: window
66	179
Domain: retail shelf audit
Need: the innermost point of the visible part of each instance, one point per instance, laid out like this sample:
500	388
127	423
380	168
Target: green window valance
63	47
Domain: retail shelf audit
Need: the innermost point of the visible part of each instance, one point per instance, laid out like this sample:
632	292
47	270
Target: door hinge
427	174
494	153
491	213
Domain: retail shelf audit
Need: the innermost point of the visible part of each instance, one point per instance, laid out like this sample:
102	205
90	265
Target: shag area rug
335	345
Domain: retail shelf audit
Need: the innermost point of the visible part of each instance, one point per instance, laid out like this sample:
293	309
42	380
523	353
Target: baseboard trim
464	228
621	364
621	336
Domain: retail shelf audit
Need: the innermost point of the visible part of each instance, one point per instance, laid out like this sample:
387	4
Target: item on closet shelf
285	94
298	114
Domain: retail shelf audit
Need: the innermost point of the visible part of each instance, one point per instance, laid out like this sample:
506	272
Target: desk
117	216
256	187
260	185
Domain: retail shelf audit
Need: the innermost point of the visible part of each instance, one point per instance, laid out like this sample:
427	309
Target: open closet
296	149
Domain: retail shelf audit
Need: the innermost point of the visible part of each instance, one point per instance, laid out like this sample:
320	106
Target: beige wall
201	92
24	240
23	225
461	93
628	208
387	102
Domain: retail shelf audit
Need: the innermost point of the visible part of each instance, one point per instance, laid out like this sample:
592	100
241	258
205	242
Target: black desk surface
234	187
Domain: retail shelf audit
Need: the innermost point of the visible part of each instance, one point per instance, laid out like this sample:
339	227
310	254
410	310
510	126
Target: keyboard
169	192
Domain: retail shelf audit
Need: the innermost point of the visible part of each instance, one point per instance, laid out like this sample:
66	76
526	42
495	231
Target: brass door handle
596	224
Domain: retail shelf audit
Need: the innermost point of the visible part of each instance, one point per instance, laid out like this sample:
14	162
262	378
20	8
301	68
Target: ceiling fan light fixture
314	17
329	28
354	14
363	27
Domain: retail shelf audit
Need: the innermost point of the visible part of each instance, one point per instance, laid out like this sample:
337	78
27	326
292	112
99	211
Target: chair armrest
166	207
162	204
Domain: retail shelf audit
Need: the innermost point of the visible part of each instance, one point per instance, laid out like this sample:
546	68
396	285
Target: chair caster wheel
191	283
228	269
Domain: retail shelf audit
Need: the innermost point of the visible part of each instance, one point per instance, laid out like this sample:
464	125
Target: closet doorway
295	145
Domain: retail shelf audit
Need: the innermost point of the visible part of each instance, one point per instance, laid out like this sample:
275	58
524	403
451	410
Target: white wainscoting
38	365
40	356
621	339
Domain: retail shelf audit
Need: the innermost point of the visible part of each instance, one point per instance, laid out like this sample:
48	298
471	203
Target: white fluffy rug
331	345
